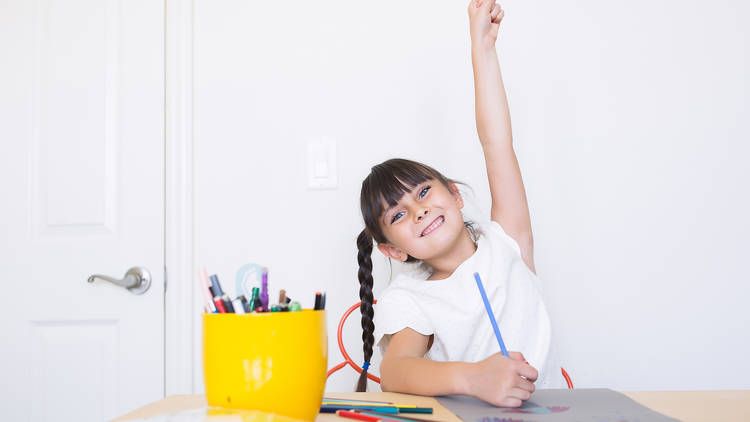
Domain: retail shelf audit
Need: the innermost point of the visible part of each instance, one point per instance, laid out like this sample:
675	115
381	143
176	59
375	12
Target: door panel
82	184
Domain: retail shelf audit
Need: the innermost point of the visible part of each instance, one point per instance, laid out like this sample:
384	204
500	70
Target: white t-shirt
452	309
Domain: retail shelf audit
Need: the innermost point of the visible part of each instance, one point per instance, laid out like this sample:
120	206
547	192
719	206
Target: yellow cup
274	362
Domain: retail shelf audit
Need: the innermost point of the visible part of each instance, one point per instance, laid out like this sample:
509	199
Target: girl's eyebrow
385	213
391	208
386	209
416	187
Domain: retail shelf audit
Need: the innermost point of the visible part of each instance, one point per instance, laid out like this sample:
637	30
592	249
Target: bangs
389	181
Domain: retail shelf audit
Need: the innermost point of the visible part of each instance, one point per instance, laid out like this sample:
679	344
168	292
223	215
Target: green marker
255	298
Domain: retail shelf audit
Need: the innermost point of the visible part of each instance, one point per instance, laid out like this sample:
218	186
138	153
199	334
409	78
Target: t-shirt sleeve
505	236
510	241
396	310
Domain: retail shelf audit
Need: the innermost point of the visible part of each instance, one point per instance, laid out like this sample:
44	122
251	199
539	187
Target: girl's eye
396	217
424	192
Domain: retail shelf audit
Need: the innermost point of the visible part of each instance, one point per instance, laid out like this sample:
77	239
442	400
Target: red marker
355	415
219	305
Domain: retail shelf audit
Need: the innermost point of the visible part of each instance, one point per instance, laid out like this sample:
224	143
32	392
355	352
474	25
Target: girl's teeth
433	226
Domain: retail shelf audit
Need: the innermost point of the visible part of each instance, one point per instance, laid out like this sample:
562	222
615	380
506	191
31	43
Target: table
689	406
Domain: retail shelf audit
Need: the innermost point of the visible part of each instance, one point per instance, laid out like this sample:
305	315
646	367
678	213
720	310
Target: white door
82	192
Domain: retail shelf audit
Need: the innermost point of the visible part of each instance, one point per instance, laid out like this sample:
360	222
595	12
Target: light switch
321	169
321	163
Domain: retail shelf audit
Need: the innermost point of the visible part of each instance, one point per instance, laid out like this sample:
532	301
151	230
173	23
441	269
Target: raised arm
509	205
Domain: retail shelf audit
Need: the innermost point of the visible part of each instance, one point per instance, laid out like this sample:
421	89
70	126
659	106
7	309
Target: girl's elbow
384	386
384	378
387	377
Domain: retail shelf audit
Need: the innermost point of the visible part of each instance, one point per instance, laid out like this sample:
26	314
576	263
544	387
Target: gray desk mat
557	405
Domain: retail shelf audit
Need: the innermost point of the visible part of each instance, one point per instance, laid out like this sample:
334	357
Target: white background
630	122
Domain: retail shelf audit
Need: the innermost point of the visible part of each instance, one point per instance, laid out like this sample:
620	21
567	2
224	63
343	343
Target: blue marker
491	315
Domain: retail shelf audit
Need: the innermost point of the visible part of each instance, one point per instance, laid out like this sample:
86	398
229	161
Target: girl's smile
433	226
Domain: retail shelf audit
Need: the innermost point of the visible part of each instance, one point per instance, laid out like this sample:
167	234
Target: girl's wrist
480	50
462	384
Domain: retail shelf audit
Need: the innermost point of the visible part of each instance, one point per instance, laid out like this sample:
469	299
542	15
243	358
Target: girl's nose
422	214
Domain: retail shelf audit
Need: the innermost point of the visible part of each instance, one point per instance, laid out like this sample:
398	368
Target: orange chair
348	360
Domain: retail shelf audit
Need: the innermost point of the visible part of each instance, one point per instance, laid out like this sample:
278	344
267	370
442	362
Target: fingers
519	393
517	356
516	395
526	385
528	372
499	17
509	402
486	5
495	12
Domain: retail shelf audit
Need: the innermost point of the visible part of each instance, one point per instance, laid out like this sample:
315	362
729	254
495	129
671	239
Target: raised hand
484	21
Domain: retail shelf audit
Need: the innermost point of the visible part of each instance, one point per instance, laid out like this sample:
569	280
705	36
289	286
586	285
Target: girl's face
425	223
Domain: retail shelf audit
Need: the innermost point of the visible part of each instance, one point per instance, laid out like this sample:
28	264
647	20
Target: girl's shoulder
505	245
400	296
407	281
407	285
495	233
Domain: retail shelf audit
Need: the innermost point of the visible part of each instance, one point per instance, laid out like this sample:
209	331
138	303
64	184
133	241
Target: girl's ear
392	252
457	195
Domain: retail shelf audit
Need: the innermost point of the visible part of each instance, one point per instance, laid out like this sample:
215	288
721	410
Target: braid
364	246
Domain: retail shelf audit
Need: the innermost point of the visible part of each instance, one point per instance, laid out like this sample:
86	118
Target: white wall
630	122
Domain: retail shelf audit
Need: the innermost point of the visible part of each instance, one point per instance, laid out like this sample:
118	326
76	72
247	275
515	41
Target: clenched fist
484	21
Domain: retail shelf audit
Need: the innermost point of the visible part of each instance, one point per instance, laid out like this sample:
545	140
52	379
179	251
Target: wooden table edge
687	405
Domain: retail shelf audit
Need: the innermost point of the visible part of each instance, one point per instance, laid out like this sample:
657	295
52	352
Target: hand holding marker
219	302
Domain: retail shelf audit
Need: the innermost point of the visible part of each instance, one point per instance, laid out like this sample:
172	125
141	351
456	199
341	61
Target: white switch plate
321	163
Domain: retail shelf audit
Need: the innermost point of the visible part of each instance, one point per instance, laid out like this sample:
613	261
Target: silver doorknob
137	280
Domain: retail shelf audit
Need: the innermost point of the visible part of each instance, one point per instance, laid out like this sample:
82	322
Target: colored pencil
355	415
427	410
362	403
325	399
376	408
491	315
381	409
399	418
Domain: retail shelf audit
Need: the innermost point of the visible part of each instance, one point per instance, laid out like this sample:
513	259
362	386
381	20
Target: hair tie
365	366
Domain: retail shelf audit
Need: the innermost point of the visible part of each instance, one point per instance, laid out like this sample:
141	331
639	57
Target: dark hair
387	182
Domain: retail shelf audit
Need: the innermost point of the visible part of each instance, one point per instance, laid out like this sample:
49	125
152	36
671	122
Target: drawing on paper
496	419
531	407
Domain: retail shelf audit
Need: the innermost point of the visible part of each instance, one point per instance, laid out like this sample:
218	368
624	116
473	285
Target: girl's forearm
423	376
491	104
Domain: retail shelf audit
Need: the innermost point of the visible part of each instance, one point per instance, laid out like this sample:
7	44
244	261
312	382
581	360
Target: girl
431	321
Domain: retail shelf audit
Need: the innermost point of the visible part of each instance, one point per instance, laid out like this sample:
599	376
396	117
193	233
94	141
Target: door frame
181	315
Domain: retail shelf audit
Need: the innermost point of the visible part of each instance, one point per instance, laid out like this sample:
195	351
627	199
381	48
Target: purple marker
264	290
